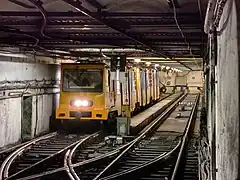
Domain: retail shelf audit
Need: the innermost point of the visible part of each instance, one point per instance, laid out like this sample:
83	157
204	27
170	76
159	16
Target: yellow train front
83	92
92	92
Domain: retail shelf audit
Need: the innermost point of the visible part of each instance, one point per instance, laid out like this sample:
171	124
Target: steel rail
67	169
6	164
185	138
70	168
160	158
45	159
141	136
86	162
71	172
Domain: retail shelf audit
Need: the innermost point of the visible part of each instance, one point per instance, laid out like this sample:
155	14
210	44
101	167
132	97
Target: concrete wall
227	95
168	79
17	80
190	78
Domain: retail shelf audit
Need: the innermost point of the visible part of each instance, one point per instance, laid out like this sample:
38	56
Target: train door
154	84
131	89
157	84
137	86
142	87
146	86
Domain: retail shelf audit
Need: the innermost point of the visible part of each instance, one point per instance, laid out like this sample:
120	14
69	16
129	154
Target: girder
156	33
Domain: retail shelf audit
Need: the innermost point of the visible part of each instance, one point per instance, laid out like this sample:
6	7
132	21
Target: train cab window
83	80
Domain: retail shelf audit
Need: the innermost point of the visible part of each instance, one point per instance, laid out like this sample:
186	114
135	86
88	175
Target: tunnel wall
18	82
227	95
223	96
189	78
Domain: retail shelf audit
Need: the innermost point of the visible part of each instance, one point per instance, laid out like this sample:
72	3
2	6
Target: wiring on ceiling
200	11
38	5
201	17
184	37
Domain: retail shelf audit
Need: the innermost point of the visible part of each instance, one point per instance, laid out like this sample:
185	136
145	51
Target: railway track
92	157
39	155
167	162
99	169
83	153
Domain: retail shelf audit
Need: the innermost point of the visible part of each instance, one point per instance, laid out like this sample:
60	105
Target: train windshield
83	80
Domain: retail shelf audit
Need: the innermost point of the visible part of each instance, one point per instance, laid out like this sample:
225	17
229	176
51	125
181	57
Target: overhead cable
179	28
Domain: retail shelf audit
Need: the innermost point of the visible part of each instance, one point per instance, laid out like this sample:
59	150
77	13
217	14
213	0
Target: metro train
90	91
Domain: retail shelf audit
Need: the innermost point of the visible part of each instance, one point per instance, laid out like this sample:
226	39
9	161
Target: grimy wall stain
227	95
14	118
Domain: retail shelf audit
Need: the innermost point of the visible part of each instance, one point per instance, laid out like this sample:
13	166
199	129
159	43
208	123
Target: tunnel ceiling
168	29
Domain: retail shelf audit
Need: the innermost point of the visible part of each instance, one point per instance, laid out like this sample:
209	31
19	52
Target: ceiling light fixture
12	55
137	60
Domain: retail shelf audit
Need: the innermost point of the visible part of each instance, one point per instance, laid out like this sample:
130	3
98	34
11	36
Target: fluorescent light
59	51
13	55
137	60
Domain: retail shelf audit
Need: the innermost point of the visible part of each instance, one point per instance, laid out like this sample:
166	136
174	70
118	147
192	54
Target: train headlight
81	103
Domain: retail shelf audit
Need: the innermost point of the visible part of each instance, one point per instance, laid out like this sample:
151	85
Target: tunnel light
59	51
148	63
7	54
86	27
137	60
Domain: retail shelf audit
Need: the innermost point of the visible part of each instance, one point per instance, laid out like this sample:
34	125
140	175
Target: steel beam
110	41
18	32
88	13
102	14
95	4
22	4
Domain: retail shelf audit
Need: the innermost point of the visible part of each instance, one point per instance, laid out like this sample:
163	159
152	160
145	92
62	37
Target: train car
90	92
